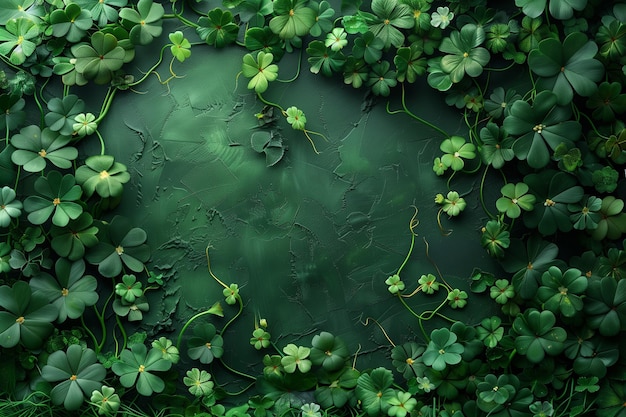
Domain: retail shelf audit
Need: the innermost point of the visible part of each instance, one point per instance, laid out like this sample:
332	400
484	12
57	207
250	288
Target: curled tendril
382	329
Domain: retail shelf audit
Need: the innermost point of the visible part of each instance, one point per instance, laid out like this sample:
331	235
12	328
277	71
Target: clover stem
416	117
269	103
382	329
593	126
306	133
208	262
408	255
6	137
179	340
106	104
481	193
122	331
297	70
448	287
102	148
180	17
154	67
450	179
236	393
89	332
41	112
240	302
501	69
443	232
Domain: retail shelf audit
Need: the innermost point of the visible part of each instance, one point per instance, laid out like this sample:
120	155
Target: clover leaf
106	400
134	311
368	47
390	17
567	67
125	246
395	284
217	28
329	351
324	18
102	11
559	9
205	345
99	60
168	350
382	79
586	214
515	198
401	405
79	372
611	37
70	290
613	222
129	289
441	18
537	127
407	359
102	175
495	238
490	331
260	70
554	192
34	147
456	150
457	298
18	38
296	358
61	113
12	114
84	124
292	18
562	292
607	101
428	283
528	262
496	147
27	318
59	196
263	39
442	350
324	59
260	338
605	306
10	208
464	53
15	9
374	391
199	382
453	204
409	63
70	23
536	336
231	294
501	291
136	367
336	389
146	21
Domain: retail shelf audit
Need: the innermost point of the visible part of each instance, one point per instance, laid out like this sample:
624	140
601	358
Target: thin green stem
297	71
102	148
482	194
89	332
240	301
408	255
269	103
154	67
106	104
179	340
414	116
123	332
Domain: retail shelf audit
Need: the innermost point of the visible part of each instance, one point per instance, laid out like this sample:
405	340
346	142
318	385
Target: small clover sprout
337	39
167	348
260	339
296	358
129	289
457	298
424	384
199	382
85	124
180	47
439	167
395	284
441	18
296	118
401	405
428	283
502	291
454	204
106	400
231	293
310	410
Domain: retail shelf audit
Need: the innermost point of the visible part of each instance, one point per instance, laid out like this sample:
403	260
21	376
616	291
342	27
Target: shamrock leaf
70	23
10	208
537	127
205	345
125	246
79	372
129	289
515	198
106	400
442	350
102	175
136	367
495	238
535	335
26	318
102	11
567	67
496	147
465	56
260	339
562	292
409	63
374	391
59	197
61	113
382	79
456	150
324	60
217	28
145	21
329	351
70	290
260	70
199	382
17	38
296	358
100	60
292	18
390	17
34	147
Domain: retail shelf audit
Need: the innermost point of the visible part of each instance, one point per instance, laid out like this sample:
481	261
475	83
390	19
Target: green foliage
35	147
145	21
99	60
205	345
442	350
138	368
18	39
260	70
217	28
292	18
79	375
464	53
537	336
